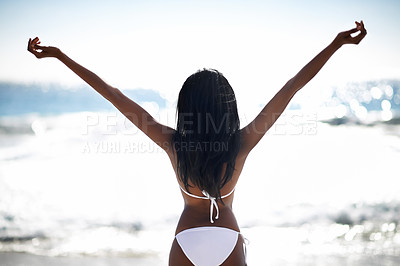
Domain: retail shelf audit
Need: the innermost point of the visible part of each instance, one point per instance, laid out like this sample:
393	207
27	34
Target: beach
78	188
18	259
24	259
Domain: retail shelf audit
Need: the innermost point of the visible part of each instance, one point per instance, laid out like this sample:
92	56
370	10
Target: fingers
350	31
362	32
363	28
360	26
35	41
37	46
357	39
33	45
29	44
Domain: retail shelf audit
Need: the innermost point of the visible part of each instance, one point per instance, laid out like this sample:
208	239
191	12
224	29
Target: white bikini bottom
208	245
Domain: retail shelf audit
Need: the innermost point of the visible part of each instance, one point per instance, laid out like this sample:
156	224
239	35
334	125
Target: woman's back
207	160
217	224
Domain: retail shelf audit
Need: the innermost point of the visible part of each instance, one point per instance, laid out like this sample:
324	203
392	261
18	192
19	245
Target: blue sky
258	45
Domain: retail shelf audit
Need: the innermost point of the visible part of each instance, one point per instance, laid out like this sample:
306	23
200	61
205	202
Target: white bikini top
213	202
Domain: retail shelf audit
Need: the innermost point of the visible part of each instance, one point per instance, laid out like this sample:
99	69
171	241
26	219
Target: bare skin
196	212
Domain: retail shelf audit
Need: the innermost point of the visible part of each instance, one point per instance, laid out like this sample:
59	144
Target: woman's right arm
160	134
253	132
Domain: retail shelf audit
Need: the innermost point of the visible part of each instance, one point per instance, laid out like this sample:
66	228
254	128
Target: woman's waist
196	216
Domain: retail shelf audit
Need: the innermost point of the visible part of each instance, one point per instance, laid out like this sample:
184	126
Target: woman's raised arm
159	133
253	132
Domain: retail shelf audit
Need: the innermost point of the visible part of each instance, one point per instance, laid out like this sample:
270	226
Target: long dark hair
207	135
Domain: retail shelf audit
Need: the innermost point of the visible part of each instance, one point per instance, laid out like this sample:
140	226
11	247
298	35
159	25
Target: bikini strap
213	202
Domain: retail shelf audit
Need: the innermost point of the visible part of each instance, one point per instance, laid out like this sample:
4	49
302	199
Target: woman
207	150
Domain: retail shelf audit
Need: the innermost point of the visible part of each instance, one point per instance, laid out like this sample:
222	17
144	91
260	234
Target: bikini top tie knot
213	203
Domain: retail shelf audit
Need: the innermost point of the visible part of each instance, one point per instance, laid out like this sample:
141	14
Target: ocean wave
88	240
15	126
51	99
364	103
353	214
365	222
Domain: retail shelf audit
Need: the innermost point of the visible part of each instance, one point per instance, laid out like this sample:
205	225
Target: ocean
80	185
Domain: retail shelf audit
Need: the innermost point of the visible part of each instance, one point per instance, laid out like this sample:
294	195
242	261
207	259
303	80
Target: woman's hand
42	51
346	38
